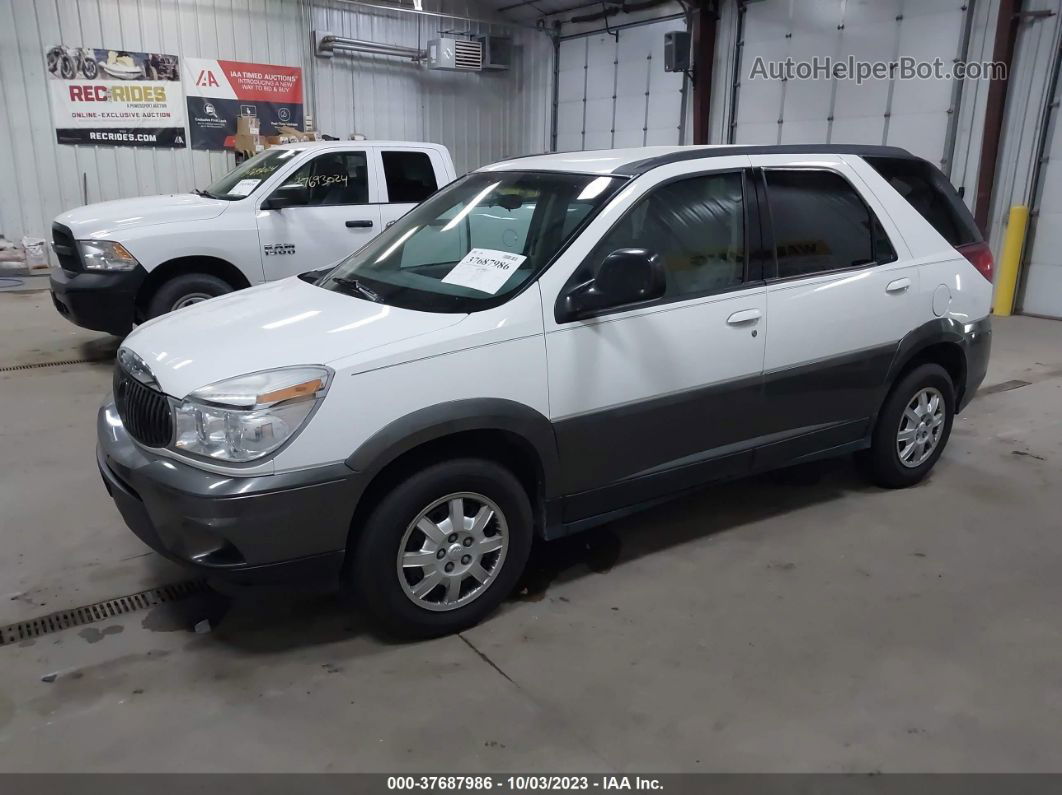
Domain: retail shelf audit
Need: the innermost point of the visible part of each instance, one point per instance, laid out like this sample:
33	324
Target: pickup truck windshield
246	177
474	243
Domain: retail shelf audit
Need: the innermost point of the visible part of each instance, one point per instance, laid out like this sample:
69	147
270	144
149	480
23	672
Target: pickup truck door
409	176
342	214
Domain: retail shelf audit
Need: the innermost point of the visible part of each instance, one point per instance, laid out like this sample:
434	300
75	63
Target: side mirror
292	195
627	276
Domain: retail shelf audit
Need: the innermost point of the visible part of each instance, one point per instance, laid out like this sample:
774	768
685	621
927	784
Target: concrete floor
797	623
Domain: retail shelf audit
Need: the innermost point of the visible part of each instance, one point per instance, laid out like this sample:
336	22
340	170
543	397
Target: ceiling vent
455	55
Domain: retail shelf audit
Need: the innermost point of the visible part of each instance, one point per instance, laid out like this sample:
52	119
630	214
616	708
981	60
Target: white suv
544	345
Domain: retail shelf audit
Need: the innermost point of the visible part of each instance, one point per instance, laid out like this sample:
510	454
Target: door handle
359	224
744	316
898	286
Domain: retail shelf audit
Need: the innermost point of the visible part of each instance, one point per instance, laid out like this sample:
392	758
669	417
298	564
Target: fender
973	341
933	332
446	419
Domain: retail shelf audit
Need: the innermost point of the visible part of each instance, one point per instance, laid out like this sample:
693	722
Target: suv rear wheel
443	549
185	290
912	429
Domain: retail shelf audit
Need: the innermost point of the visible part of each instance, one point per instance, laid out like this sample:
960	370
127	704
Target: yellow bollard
1010	260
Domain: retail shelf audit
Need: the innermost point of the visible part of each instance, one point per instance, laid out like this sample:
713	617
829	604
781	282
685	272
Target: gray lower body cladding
267	528
297	524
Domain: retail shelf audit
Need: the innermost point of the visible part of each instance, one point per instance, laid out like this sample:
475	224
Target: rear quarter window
928	191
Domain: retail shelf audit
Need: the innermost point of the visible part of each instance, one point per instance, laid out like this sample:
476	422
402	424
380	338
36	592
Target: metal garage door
612	90
913	114
1042	278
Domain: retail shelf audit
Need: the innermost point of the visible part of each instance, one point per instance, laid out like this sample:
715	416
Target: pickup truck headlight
105	255
245	418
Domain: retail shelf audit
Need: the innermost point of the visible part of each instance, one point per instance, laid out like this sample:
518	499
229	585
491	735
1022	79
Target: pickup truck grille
145	412
66	249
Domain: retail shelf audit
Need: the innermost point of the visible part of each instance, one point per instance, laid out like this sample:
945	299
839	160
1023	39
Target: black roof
638	167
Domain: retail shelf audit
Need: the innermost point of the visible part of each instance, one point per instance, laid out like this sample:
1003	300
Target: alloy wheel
921	426
452	551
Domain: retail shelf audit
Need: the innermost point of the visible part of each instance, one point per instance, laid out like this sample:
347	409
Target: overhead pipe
436	14
328	43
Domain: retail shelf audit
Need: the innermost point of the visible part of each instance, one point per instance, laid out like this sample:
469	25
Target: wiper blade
206	193
357	287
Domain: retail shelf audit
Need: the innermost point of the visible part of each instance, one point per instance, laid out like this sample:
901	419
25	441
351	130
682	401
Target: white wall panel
613	90
913	114
480	117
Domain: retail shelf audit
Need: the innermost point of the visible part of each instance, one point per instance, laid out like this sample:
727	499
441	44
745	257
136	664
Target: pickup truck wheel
185	290
912	428
442	549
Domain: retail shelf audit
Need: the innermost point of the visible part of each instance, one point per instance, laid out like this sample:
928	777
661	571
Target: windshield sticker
484	269
243	187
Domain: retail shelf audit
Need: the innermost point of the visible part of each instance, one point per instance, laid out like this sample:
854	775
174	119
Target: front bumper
258	529
98	301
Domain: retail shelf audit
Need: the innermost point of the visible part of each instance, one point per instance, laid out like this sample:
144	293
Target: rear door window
822	224
410	176
929	192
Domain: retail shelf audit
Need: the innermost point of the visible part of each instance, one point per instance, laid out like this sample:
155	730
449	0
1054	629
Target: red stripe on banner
264	82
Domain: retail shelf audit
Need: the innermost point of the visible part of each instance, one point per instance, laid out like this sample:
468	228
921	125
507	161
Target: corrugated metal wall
480	117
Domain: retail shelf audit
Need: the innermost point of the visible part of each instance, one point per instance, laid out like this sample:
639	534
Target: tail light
980	257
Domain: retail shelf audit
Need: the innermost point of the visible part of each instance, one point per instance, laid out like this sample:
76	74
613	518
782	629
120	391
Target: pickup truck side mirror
627	276
291	195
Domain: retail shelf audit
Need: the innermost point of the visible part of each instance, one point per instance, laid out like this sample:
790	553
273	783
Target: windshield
246	177
473	243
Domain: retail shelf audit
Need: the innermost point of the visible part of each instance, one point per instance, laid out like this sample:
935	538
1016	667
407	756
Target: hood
105	220
279	324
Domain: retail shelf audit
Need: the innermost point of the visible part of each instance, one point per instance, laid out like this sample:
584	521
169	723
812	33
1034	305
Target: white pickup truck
289	209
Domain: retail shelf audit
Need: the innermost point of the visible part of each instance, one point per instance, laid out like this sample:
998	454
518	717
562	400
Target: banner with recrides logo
218	92
115	97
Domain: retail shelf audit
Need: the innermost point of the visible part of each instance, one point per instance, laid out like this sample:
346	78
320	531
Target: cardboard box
249	140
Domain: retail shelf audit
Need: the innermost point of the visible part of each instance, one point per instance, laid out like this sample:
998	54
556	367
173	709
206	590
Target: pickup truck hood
106	220
279	324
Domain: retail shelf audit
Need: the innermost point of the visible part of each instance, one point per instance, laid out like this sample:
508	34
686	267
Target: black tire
882	463
67	67
90	69
180	289
372	575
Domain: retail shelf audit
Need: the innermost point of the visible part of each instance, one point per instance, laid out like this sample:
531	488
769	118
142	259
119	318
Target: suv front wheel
912	428
443	548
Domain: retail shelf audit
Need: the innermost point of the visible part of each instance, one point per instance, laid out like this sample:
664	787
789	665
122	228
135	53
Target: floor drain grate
101	611
1005	386
10	368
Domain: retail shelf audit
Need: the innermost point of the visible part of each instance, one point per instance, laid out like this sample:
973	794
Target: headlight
103	255
244	418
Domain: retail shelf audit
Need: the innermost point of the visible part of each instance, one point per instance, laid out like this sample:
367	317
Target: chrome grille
145	412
